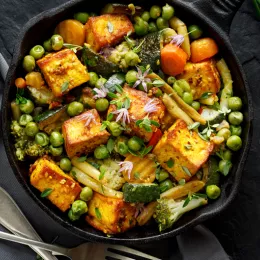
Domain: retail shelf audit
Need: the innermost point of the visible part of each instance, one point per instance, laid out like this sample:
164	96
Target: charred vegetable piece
52	120
97	63
214	176
113	8
141	193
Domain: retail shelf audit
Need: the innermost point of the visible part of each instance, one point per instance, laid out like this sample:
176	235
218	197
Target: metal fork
84	251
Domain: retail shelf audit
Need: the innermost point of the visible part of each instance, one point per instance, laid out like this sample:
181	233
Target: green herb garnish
98	214
46	192
64	86
206	95
170	163
82	158
110	27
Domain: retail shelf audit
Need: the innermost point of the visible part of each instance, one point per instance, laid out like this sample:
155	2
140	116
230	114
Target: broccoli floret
33	149
168	211
20	154
16	129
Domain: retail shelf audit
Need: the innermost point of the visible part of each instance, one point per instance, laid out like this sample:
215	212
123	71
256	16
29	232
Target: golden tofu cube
110	215
82	133
182	152
45	174
202	77
63	71
107	30
137	112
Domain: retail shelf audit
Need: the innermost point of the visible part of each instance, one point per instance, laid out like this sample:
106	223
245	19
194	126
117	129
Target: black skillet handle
221	12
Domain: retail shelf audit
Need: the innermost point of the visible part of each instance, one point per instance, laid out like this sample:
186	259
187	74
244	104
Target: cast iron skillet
215	16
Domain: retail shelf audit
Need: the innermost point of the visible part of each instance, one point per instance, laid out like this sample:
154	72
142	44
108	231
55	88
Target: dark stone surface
237	228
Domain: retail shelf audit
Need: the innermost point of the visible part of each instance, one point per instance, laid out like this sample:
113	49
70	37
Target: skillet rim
99	238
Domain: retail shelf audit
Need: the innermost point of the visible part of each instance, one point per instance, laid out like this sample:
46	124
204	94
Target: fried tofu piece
112	216
202	77
63	71
180	149
107	30
136	112
82	133
45	174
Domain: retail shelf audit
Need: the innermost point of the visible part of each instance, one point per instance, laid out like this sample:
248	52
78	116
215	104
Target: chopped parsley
98	214
170	163
46	192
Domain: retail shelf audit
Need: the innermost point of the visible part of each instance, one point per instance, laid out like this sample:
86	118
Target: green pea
158	92
101	152
187	98
37	52
167	12
236	130
31	129
56	139
235	103
29	63
27	107
93	78
162	23
178	89
171	80
223	164
165	185
195	32
100	82
184	85
65	164
145	16
152	27
155	11
25	119
163	175
82	17
213	191
224	132
47	45
86	194
131	58
234	143
195	105
92	14
72	216
75	108
42	139
131	77
56	151
134	144
79	207
141	26
56	42
122	148
235	118
102	104
115	129
227	155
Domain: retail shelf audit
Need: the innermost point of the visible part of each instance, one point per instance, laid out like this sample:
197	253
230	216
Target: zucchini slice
141	193
51	120
151	47
97	63
214	176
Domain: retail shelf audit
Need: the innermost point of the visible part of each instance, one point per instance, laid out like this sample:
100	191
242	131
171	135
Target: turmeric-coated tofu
63	71
138	111
82	133
107	30
182	152
45	174
202	77
110	215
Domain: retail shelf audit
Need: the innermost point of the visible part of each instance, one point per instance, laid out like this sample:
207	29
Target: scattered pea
165	185
75	108
56	139
102	104
195	105
86	194
101	152
235	103
163	175
37	52
171	80
29	63
236	130
131	58
25	119
31	129
235	118
213	191
131	77
224	132
167	12
47	45
155	11
56	151
100	82
81	17
162	23
187	98
234	143
93	78
145	16
27	107
42	139
79	207
195	32
152	27
65	164
56	42
115	128
133	144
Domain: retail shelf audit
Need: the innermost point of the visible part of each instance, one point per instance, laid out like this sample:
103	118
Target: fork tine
117	256
132	252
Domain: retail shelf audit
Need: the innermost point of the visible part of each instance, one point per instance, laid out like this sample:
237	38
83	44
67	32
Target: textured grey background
237	228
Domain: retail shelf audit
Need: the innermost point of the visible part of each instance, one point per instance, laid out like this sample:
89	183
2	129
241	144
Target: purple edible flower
100	92
123	114
126	166
150	107
141	78
177	39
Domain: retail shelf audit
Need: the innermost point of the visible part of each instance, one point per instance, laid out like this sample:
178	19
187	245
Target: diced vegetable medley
126	116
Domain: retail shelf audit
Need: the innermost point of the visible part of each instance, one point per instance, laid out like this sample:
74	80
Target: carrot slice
155	138
20	83
173	59
202	49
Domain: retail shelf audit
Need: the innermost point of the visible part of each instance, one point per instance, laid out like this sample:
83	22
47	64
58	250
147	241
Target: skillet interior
39	29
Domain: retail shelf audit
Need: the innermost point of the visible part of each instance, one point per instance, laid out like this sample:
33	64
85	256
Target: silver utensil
3	66
84	251
12	218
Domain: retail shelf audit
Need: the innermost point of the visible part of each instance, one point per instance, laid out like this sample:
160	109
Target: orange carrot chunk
20	83
202	49
173	59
